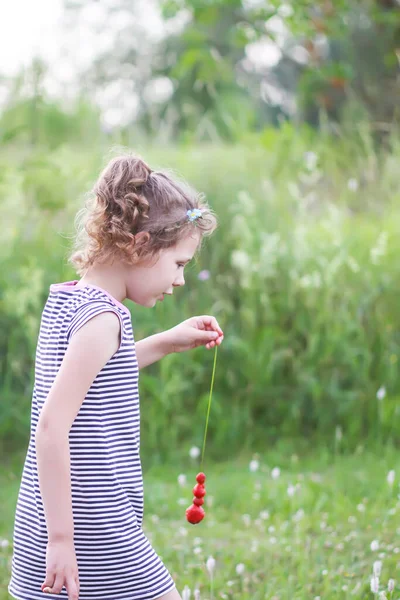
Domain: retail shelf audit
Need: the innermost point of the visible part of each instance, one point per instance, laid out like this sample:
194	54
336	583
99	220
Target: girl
78	524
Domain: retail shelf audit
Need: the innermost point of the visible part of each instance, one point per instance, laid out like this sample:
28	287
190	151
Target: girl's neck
108	277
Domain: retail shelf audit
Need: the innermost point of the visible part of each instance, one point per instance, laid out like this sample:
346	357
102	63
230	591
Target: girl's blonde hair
130	198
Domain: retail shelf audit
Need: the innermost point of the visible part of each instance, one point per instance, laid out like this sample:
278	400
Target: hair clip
194	214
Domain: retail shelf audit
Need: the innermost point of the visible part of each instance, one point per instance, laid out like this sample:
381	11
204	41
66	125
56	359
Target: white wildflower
240	260
352	184
374	585
374	545
353	264
382	596
197	550
391	477
275	473
377	568
240	569
182	480
324	572
360	507
381	393
379	249
310	159
264	514
291	490
352	519
298	515
210	564
186	593
194	452
254	465
285	10
183	531
254	546
246	520
4	544
338	434
196	594
391	585
313	280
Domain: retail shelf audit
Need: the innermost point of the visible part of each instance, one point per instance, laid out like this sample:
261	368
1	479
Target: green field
314	531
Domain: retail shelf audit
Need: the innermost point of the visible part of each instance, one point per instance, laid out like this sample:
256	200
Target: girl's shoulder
80	294
75	305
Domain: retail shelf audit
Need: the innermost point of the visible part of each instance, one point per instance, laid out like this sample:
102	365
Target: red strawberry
195	514
198	501
200	478
199	490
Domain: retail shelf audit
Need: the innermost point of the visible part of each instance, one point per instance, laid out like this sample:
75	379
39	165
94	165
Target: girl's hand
61	569
194	332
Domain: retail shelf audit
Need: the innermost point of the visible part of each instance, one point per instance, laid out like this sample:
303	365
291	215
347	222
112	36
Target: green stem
209	407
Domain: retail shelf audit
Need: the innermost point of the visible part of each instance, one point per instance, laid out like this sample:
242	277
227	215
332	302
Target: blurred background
286	115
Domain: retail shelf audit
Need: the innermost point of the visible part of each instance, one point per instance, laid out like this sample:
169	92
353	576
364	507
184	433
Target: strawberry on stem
200	478
199	490
195	514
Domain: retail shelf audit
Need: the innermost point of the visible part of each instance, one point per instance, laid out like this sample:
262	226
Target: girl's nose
179	281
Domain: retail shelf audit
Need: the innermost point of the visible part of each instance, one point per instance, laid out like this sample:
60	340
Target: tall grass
304	277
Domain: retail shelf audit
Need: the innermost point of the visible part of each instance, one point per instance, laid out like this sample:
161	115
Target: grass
313	531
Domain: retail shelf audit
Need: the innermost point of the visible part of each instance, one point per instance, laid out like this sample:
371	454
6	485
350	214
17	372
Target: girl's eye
181	265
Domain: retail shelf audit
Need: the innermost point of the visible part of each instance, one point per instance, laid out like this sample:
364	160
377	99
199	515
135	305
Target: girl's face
146	284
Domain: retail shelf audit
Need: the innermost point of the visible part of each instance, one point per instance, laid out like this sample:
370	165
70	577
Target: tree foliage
331	53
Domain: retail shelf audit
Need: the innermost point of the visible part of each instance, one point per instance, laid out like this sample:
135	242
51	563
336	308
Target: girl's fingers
210	323
48	583
215	326
58	584
214	343
72	585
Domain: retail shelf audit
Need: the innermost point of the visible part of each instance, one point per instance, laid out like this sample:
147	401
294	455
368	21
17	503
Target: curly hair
130	198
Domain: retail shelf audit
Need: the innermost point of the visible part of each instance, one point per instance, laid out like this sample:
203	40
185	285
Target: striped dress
115	559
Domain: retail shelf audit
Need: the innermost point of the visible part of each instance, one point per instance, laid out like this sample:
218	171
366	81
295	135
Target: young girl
78	524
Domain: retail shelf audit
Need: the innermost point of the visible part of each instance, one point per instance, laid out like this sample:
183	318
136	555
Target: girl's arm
83	360
153	348
197	331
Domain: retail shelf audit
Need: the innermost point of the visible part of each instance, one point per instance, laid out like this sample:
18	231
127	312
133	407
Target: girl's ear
141	239
139	247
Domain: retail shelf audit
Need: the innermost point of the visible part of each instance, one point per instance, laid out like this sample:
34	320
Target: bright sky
31	28
27	27
40	27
